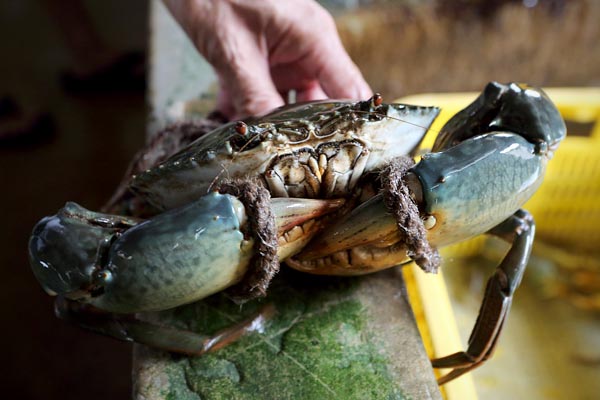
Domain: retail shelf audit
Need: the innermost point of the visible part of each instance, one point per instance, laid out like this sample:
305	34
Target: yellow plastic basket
566	209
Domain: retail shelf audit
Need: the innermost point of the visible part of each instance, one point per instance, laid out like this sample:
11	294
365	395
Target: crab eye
377	100
241	128
243	142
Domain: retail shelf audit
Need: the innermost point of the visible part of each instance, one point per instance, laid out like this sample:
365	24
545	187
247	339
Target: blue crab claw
514	107
368	224
125	265
475	183
461	192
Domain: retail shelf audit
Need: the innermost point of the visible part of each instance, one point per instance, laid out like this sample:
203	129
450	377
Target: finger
242	97
292	76
335	70
254	95
224	103
247	76
247	91
304	52
340	77
242	66
310	93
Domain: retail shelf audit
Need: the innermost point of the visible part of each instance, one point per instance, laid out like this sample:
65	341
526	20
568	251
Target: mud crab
323	213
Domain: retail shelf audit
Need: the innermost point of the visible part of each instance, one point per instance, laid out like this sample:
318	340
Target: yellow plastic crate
566	209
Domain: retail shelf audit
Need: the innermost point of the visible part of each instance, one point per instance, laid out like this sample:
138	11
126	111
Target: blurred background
73	111
66	133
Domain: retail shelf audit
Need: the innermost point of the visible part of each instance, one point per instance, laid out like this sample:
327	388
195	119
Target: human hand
263	49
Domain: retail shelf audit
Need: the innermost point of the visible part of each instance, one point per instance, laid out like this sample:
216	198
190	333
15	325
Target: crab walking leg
129	328
519	230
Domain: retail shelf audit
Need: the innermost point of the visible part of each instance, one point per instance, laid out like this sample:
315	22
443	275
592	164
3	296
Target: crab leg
129	328
519	230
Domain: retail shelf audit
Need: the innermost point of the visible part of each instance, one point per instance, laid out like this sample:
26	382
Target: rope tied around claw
261	223
399	202
261	226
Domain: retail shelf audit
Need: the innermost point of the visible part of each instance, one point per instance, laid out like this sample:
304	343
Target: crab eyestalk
180	256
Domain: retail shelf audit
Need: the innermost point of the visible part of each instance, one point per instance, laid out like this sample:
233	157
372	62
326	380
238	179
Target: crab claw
177	257
514	107
490	160
461	192
296	221
368	224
